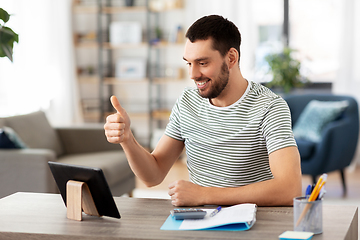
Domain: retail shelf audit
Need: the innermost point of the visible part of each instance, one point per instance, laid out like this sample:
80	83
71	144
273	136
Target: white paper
240	213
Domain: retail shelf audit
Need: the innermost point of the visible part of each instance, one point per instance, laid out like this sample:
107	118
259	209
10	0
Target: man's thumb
116	104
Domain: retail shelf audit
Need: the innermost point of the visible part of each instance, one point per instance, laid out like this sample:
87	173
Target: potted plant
7	36
285	70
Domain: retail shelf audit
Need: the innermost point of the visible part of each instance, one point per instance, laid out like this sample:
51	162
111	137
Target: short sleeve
276	126
173	128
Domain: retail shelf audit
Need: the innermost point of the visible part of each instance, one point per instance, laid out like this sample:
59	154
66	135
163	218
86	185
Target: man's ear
233	57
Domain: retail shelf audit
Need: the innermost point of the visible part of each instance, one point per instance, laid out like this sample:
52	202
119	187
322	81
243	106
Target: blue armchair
337	145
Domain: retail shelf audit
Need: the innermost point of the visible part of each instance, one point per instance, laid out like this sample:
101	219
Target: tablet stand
79	198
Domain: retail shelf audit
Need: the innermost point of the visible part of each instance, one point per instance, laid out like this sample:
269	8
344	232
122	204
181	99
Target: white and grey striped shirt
229	146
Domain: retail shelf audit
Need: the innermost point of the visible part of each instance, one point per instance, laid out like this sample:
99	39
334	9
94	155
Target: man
237	133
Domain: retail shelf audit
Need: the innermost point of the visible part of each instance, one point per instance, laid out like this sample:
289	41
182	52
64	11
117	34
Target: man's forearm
267	193
142	162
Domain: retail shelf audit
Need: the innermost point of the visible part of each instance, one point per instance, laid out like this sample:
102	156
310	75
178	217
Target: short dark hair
224	33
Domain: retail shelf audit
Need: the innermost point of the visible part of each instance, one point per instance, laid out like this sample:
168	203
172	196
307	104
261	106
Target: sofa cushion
113	163
36	132
5	142
306	148
9	139
315	116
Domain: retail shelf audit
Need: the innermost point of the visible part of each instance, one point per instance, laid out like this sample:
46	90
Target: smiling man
237	133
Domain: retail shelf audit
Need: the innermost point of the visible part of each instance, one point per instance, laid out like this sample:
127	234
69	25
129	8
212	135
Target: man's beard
219	84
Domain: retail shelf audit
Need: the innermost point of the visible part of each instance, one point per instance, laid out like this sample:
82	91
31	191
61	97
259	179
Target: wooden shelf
139	116
158	115
87	44
116	81
93	79
78	8
164	44
161	114
134	115
114	10
92	9
107	45
165	6
85	9
166	80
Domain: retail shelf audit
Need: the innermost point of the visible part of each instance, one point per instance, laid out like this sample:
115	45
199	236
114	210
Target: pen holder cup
308	215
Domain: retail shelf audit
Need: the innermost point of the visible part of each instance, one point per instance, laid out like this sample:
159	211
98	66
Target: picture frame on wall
125	33
131	68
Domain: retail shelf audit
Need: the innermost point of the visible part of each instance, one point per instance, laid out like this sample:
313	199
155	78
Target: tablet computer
94	178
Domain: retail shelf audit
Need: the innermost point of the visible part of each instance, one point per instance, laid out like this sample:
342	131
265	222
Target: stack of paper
235	218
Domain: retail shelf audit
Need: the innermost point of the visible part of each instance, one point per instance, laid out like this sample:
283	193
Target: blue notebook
235	218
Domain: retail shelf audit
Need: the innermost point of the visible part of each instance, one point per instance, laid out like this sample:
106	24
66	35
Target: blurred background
73	55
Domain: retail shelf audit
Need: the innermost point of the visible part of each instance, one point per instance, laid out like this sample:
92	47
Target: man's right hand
117	126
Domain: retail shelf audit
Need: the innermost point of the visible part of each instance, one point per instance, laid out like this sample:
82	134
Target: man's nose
194	72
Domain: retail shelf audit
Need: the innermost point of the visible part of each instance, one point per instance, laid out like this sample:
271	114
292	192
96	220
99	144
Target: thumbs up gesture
117	126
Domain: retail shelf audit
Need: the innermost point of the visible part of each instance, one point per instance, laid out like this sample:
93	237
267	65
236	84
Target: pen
308	191
321	194
215	211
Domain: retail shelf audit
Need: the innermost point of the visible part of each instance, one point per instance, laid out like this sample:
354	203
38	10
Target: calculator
187	213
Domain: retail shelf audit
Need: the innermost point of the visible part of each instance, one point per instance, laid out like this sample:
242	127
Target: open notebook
235	218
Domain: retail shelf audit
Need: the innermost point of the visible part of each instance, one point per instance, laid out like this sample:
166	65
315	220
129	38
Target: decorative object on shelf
131	68
129	3
285	70
162	5
125	32
177	35
7	36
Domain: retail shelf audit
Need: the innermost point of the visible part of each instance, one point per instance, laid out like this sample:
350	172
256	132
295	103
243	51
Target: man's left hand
185	193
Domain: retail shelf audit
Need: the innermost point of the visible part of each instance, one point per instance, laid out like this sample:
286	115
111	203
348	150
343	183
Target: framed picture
131	68
125	32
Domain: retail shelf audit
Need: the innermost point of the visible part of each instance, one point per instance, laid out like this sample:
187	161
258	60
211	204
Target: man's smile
202	83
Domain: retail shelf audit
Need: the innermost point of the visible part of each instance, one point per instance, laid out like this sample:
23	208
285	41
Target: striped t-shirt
230	146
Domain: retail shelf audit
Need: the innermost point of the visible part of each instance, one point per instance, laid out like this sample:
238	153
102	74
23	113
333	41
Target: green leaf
285	70
4	15
2	54
7	39
7	50
7	35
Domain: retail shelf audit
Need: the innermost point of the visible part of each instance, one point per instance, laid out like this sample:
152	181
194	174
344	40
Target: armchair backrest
339	138
297	103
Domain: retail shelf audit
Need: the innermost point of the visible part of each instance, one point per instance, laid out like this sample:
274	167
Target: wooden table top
43	216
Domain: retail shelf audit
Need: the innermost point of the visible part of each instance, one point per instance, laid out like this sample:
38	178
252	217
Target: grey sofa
27	169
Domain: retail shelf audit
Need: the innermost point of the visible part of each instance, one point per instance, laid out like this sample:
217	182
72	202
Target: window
314	32
314	27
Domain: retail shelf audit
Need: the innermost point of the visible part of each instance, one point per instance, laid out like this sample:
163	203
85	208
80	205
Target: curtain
42	76
348	78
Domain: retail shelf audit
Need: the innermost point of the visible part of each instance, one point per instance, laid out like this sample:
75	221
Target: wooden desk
43	216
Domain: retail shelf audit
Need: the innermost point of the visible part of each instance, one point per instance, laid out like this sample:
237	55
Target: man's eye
202	63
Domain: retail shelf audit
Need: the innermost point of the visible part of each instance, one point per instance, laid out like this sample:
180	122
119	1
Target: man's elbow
293	191
153	182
